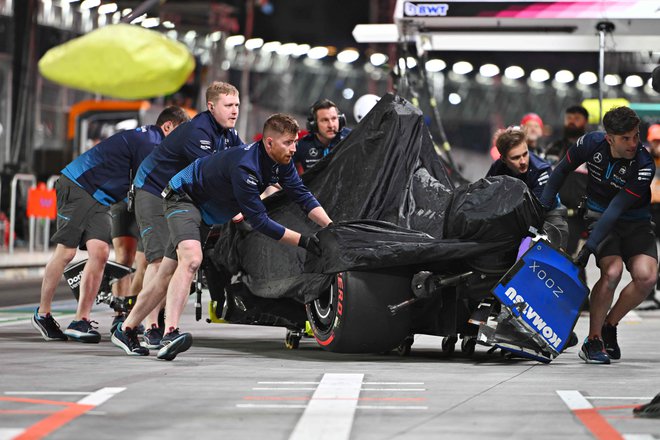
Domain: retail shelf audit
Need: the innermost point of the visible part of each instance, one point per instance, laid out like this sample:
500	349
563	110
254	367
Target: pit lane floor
239	382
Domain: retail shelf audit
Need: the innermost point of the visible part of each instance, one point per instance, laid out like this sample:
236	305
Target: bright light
287	49
564	76
489	70
190	36
462	67
254	43
301	50
318	52
514	72
539	75
89	4
215	36
612	80
150	22
411	63
139	19
347	93
125	12
634	81
168	25
454	98
348	56
378	59
588	78
435	65
107	8
271	46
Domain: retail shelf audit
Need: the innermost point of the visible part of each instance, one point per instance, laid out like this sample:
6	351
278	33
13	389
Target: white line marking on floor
574	399
312	389
29	318
316	383
288	383
392	383
10	433
638	437
330	412
48	393
617	398
284	406
100	396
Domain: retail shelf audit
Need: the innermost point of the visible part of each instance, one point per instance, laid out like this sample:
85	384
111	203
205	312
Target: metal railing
12	213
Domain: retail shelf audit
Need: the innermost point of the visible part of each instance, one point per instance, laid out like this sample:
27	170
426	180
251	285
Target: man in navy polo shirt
618	200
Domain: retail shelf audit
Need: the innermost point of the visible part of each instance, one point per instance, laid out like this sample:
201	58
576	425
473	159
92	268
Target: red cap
654	133
531	117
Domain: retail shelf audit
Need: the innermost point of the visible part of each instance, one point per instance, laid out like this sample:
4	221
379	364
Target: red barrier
42	202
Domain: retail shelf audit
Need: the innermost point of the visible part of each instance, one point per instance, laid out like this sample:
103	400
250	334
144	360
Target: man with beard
575	125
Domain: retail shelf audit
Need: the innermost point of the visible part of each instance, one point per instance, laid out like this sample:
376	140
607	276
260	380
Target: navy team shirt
536	176
199	137
105	170
310	150
231	181
618	188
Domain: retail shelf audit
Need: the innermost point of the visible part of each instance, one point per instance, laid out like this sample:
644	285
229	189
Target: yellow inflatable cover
122	61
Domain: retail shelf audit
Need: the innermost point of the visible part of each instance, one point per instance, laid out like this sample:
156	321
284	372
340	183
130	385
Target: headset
312	126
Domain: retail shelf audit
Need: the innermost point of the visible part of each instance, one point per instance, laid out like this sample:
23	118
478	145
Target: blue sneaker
610	341
83	331
48	327
152	337
174	343
593	352
128	341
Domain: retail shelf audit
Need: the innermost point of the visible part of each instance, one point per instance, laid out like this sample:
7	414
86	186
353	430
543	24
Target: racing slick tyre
352	316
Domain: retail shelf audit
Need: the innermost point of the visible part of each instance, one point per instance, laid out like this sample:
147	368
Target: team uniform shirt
105	171
310	150
618	188
199	137
536	177
231	181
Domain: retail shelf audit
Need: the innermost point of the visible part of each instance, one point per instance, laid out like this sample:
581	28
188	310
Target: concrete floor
239	382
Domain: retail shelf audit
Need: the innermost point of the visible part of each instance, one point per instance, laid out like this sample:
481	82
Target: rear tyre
352	316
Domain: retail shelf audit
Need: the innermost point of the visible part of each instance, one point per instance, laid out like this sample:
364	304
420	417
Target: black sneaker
593	352
174	343
83	331
152	337
116	321
48	327
128	341
611	344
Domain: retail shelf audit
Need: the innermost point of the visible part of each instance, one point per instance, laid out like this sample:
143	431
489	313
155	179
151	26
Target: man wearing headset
327	128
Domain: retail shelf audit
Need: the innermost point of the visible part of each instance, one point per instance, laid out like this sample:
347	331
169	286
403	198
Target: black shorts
629	238
124	223
183	220
80	217
151	223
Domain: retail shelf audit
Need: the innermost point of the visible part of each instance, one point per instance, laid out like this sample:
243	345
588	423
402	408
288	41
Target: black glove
582	257
243	227
311	244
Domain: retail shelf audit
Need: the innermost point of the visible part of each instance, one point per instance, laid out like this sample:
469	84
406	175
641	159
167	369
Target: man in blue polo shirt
618	200
327	127
214	190
88	186
207	133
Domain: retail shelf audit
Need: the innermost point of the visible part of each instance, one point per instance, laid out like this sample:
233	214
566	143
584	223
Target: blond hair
282	124
218	88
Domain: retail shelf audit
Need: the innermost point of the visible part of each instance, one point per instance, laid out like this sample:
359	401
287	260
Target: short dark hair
575	109
509	139
173	113
322	104
281	123
620	120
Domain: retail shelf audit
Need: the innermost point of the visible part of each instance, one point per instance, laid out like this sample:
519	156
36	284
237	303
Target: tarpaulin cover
385	170
122	61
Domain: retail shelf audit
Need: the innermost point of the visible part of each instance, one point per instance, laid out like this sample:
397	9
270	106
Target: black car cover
392	202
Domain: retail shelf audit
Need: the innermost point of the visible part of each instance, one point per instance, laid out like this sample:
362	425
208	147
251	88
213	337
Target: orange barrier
41	202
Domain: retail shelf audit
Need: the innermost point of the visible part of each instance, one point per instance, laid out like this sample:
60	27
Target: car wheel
352	316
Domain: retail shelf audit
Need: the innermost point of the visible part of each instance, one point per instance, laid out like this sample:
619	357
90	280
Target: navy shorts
629	238
124	223
80	217
151	224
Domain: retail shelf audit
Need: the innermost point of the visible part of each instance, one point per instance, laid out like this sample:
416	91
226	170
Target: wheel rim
324	308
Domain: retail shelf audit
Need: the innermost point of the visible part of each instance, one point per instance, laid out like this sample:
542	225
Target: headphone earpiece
312	126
